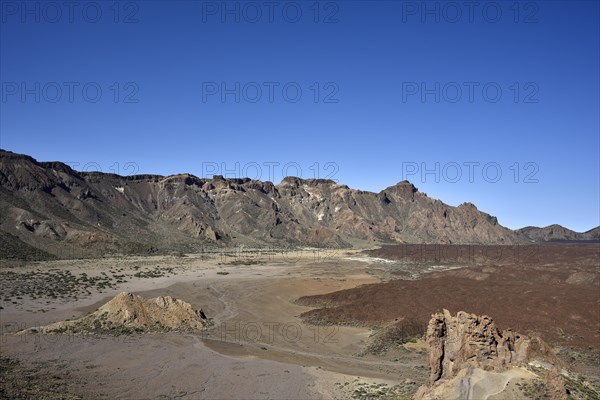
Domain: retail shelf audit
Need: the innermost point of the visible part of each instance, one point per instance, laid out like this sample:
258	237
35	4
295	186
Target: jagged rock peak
404	183
239	181
188	179
295	181
404	188
9	156
469	340
468	206
16	156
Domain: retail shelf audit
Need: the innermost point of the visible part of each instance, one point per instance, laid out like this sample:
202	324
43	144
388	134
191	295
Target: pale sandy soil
487	385
258	348
477	384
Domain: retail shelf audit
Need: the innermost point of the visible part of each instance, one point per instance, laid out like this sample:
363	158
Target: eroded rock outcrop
128	313
469	340
470	358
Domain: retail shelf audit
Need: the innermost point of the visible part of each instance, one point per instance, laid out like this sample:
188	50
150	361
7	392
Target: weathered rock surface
52	207
468	340
128	313
470	358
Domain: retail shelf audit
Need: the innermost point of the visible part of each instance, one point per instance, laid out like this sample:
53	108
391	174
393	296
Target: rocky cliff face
50	206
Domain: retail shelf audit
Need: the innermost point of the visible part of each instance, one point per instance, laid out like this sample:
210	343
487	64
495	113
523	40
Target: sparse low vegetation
21	381
535	389
155	272
579	388
382	391
244	261
576	386
392	336
56	284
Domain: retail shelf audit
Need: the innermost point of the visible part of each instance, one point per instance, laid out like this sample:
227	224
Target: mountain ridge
556	232
50	206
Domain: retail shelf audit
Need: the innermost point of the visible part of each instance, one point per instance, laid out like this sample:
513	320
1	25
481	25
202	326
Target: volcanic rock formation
469	340
470	358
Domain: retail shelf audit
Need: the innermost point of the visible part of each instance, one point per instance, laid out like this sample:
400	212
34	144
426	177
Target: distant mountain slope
51	207
557	232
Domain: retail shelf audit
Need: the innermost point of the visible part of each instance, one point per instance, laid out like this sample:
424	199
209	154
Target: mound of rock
129	313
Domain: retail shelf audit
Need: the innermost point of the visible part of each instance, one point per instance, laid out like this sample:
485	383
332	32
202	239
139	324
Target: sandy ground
477	384
258	348
486	385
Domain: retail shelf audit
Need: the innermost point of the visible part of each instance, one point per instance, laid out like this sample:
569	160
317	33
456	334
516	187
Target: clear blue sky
375	115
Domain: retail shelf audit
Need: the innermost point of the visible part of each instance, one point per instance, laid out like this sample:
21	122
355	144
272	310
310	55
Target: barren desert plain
309	323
